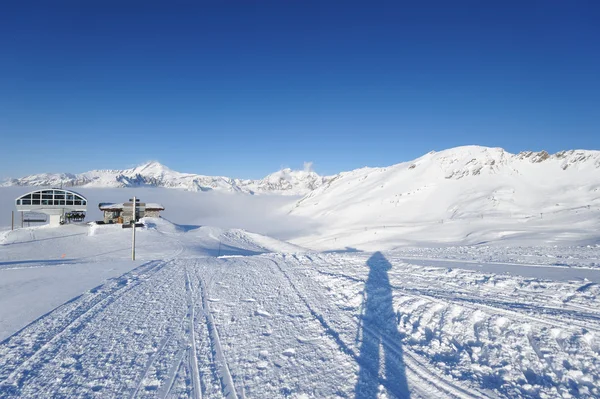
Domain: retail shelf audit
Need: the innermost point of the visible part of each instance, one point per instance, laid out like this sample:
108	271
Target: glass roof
52	197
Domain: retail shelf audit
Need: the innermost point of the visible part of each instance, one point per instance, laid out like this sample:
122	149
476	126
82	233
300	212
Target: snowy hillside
462	195
86	246
285	181
206	312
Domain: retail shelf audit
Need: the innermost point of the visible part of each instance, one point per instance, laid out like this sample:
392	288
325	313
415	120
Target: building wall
113	216
127	216
152	214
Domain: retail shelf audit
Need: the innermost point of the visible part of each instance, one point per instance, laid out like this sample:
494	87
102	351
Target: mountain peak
155	174
152	166
151	163
454	163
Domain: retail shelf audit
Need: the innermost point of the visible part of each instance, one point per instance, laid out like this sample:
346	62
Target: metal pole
22	219
12	220
133	233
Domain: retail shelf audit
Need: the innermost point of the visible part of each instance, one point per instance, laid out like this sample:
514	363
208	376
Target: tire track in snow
274	345
544	313
538	365
83	314
153	350
152	344
197	387
436	384
415	363
172	375
149	365
180	249
229	391
564	308
178	331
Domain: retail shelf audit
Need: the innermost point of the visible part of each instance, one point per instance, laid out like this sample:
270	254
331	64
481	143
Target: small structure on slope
122	213
60	205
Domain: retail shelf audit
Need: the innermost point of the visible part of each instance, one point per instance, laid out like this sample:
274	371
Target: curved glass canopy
51	199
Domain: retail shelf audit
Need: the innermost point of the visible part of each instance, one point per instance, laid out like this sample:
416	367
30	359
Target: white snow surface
465	195
210	312
474	273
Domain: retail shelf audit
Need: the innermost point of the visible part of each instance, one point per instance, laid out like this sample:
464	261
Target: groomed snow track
320	325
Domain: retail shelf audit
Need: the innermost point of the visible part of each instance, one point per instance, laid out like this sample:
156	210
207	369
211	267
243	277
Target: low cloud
264	214
308	166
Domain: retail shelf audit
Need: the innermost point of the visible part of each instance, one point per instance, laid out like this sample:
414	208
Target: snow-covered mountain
464	195
461	195
285	181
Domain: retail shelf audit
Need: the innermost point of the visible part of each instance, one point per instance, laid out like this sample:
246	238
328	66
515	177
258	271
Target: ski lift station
57	203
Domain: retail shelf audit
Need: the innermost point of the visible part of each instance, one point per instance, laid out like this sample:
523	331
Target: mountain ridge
455	163
153	173
484	193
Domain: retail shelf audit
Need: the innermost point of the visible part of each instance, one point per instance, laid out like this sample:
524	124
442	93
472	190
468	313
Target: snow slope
58	264
219	312
154	174
465	195
213	313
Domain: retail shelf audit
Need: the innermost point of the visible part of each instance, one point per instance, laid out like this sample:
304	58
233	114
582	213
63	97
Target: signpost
133	204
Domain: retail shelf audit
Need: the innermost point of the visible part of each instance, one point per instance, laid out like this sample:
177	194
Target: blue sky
242	88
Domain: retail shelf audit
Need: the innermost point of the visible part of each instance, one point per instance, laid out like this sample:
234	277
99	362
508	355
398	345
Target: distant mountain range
473	166
465	195
285	181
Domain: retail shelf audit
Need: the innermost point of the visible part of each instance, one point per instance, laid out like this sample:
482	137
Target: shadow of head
378	262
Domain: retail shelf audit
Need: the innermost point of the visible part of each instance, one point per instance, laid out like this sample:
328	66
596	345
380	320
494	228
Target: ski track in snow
318	325
514	336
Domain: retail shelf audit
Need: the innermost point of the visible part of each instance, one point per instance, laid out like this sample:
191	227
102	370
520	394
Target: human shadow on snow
380	337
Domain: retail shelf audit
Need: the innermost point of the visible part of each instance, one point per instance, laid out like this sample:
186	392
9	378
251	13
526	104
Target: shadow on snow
380	339
342	251
37	262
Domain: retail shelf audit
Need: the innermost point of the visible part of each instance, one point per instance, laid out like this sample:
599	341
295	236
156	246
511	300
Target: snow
274	320
59	265
218	304
462	196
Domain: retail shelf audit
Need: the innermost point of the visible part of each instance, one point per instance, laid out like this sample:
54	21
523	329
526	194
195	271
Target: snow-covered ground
461	196
43	267
211	312
469	273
